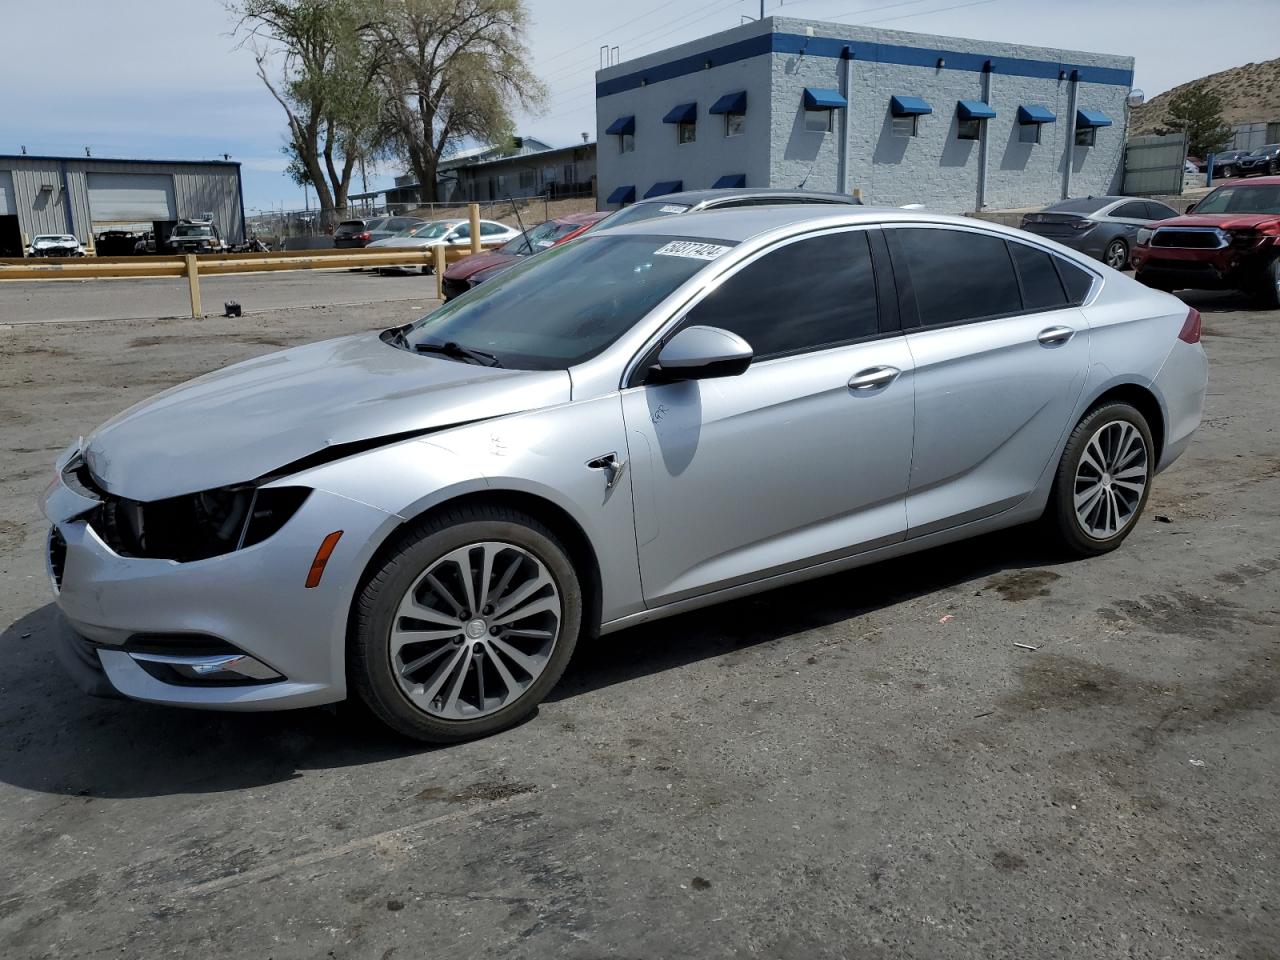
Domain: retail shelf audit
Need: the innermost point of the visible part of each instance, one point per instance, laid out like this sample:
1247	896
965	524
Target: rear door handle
873	378
1055	336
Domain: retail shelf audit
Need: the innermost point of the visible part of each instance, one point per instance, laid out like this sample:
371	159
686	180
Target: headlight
1144	236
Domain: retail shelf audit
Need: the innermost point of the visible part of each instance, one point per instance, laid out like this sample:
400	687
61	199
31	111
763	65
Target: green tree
317	60
1198	111
450	70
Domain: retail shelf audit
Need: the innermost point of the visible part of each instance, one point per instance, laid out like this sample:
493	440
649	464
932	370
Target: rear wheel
1103	480
1117	254
466	626
1227	171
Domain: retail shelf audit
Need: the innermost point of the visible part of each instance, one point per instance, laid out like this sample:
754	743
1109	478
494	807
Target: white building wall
935	168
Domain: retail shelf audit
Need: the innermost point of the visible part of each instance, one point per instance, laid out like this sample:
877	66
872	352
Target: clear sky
163	78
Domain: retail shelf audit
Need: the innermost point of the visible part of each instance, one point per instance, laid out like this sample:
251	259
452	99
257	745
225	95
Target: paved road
65	300
865	767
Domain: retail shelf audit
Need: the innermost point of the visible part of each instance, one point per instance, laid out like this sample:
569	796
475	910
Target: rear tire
1227	172
1116	255
1103	480
433	669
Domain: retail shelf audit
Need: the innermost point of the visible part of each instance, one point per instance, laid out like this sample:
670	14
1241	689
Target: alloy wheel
1111	479
1117	255
475	630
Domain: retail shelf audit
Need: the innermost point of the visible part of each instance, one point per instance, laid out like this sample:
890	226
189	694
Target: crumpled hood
246	420
1227	221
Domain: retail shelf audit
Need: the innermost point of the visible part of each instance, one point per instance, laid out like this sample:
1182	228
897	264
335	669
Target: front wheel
1269	286
1103	480
1117	255
465	626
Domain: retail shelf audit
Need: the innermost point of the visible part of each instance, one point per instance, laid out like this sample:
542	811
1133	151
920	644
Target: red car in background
475	269
1230	240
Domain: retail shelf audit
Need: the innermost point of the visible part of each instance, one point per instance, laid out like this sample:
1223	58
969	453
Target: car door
802	458
1001	352
459	235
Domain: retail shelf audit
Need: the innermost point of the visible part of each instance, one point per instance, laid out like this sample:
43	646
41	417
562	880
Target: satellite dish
1136	98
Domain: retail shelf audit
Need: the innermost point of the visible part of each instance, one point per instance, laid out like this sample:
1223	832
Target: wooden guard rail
192	266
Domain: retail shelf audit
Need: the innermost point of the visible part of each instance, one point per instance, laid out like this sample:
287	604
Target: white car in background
454	233
56	245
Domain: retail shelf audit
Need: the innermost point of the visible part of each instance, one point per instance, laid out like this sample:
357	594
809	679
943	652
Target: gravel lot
866	766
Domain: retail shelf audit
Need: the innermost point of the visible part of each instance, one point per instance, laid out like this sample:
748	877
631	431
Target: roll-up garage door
130	200
8	205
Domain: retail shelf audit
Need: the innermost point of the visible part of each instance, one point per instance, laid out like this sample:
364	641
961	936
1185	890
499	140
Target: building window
526	179
733	124
818	121
627	143
906	126
1086	136
686	132
969	130
1029	132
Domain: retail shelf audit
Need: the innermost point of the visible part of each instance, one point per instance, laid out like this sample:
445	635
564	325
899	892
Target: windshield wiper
458	352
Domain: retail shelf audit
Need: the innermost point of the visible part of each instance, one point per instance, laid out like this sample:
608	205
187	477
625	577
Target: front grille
57	557
1189	238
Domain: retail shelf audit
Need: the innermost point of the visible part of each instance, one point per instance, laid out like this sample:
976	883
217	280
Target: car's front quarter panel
542	453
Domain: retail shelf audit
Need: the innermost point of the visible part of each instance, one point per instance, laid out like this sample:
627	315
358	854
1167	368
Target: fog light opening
322	557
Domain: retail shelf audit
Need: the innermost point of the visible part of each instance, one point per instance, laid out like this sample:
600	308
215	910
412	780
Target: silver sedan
1105	228
642	421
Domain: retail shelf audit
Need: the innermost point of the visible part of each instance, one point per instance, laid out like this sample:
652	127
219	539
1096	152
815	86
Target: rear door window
1041	286
807	295
957	276
1158	211
1133	210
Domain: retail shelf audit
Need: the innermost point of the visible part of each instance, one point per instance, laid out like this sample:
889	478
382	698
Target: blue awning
1092	118
664	187
731	103
682	113
974	110
625	194
1034	113
815	99
731	180
904	106
620	126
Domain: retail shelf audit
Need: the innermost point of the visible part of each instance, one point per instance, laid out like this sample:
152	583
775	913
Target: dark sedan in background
1105	228
361	233
1264	162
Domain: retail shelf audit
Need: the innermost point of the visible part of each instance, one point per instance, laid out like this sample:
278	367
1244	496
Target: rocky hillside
1249	94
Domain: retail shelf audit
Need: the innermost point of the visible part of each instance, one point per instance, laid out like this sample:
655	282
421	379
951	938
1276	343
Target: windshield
1258	198
538	238
53	238
646	210
566	305
1263	151
192	230
427	231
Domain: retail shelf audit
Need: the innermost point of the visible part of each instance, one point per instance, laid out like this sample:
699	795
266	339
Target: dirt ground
866	766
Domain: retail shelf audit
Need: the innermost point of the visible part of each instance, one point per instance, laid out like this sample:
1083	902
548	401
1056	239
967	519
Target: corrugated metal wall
197	188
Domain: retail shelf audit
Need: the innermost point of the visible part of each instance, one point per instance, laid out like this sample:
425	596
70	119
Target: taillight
1080	224
1190	332
364	236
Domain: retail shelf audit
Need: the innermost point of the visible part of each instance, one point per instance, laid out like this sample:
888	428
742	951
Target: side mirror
700	353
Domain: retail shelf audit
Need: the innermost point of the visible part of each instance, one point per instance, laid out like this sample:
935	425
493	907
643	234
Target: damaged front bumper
235	631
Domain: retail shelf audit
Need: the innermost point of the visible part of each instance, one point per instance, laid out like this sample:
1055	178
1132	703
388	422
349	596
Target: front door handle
1055	336
873	378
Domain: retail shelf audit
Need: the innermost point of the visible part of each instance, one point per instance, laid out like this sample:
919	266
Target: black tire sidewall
1062	499
370	670
1106	253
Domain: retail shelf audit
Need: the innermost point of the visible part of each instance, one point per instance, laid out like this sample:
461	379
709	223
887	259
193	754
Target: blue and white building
958	125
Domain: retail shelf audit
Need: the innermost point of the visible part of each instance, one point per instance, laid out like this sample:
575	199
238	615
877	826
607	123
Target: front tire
465	626
1103	480
1269	286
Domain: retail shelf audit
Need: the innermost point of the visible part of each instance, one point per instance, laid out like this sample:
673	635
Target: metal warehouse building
958	125
85	196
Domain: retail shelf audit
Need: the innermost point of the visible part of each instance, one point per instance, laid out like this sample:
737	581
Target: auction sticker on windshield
692	249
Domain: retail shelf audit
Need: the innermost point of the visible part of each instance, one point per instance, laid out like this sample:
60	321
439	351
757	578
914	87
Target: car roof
694	197
738	224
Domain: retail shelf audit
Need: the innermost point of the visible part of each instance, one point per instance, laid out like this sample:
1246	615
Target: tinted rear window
1077	281
957	276
1041	287
1079	205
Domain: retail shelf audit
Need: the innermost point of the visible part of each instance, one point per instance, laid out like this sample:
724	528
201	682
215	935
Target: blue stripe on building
792	43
